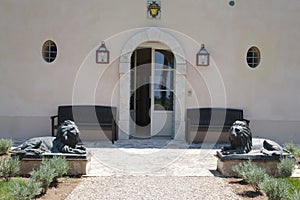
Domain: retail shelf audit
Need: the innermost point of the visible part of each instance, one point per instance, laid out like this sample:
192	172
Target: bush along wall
275	188
40	180
5	145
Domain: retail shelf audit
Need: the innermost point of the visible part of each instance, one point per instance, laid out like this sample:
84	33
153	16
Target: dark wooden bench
203	122
87	117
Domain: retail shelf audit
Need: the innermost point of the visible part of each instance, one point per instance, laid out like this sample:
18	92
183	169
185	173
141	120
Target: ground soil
61	189
244	190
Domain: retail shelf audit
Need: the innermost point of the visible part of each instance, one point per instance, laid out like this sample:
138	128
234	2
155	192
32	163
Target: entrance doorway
152	91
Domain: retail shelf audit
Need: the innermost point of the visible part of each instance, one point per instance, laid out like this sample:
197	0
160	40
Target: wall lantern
202	57
102	54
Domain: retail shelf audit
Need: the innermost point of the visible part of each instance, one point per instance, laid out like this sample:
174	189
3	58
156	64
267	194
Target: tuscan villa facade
143	57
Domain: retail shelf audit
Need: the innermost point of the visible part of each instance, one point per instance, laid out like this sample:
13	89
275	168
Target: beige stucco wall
31	89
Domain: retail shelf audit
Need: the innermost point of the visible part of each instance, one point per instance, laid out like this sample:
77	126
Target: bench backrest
86	114
214	116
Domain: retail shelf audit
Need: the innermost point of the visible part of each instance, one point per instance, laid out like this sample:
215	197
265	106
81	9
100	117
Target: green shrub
44	175
9	167
286	167
6	188
295	195
251	173
49	171
276	189
295	182
5	145
59	164
25	190
293	148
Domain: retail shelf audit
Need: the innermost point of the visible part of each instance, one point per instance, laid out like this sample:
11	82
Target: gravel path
153	187
152	169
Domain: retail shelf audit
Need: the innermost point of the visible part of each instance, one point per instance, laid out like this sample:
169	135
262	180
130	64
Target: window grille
253	57
49	51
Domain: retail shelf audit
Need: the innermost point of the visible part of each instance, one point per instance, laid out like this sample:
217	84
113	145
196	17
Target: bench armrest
114	131
53	117
53	126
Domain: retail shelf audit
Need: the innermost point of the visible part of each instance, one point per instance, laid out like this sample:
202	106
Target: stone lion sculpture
241	142
240	138
65	142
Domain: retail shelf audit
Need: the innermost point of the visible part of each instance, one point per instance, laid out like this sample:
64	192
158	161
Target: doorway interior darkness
151	96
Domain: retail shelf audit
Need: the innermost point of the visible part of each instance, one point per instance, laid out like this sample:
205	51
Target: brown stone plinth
225	166
77	166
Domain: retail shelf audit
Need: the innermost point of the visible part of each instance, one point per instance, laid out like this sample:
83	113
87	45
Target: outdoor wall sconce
102	54
202	57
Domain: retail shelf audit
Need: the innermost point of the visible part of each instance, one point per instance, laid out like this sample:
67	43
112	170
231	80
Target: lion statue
65	142
240	138
241	142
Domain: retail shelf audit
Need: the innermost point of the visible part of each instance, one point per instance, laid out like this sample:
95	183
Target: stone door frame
152	34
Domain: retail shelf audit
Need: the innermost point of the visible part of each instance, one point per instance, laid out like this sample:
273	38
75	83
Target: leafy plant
9	167
44	175
276	189
286	167
5	145
293	148
6	187
251	173
295	195
59	164
25	190
295	182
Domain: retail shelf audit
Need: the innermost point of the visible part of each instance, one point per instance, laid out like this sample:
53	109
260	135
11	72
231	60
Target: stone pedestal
226	162
77	163
265	154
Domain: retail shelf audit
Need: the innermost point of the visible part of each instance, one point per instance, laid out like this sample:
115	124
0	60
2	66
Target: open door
140	100
152	88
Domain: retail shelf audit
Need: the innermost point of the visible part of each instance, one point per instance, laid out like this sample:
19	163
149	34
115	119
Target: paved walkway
152	169
155	157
